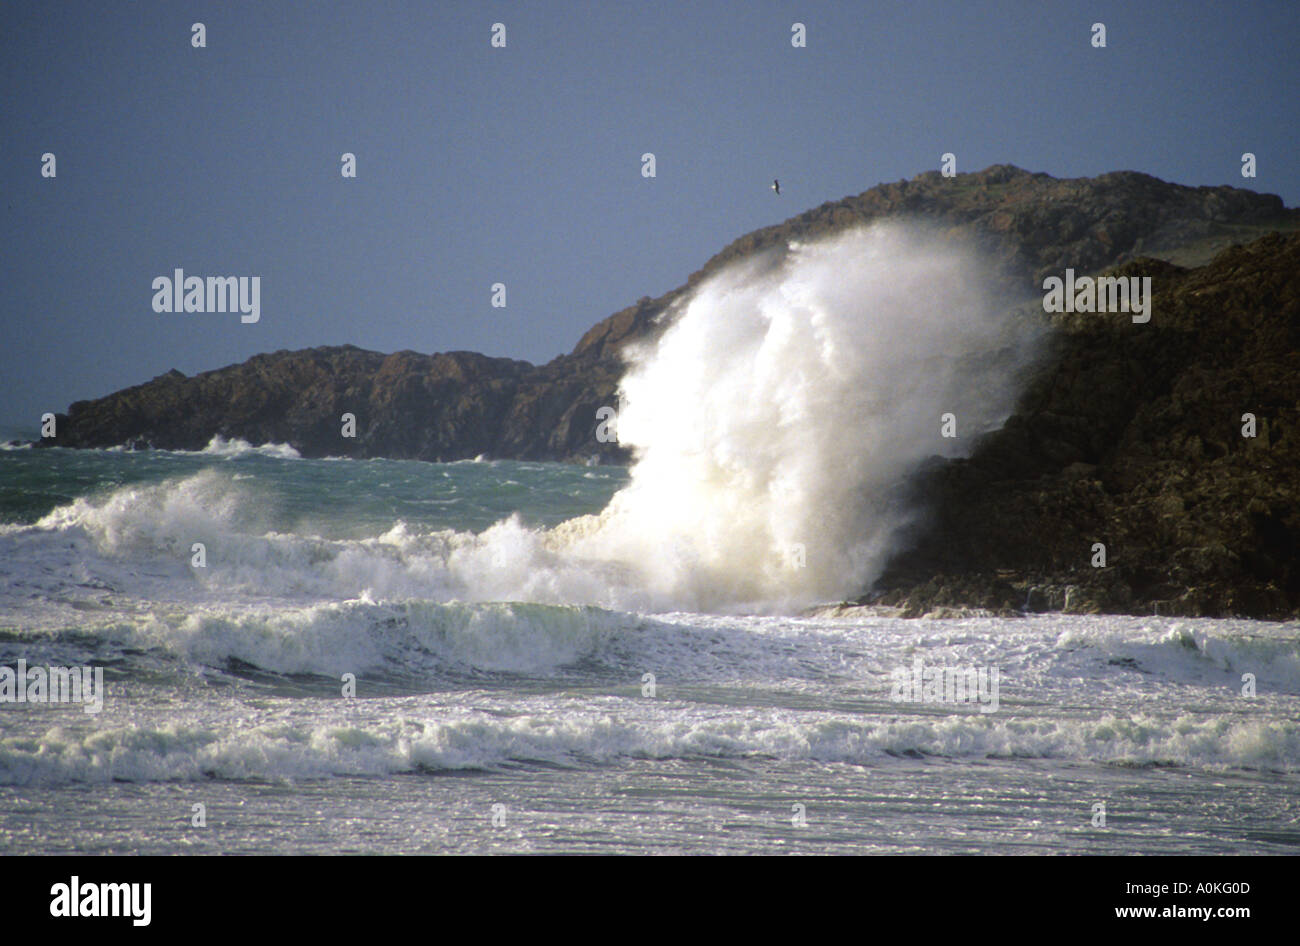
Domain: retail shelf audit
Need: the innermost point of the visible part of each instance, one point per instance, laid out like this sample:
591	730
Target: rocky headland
1128	435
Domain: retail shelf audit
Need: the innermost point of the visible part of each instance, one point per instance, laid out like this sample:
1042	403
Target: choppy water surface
499	661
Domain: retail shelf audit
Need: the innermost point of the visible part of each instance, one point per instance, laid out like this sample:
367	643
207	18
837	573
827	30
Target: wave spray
775	419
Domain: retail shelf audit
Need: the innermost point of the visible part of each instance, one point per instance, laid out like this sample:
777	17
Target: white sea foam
163	517
411	637
230	449
219	446
609	731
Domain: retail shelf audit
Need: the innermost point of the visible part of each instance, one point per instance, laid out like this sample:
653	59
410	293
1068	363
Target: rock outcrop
459	405
1135	437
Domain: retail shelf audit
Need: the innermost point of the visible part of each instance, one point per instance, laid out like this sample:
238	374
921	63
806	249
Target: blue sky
521	165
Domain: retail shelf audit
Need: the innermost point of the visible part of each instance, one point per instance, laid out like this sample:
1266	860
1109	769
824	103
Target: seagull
776	186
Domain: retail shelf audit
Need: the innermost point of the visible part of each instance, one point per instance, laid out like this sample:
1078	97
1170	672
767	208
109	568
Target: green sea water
510	694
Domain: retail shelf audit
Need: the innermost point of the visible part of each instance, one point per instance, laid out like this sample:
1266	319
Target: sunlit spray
785	404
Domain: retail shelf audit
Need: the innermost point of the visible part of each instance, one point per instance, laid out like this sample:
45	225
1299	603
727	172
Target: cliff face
459	404
1132	436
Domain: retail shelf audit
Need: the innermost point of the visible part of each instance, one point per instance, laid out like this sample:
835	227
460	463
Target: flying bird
776	186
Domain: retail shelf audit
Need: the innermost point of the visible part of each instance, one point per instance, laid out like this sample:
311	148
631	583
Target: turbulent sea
556	658
442	588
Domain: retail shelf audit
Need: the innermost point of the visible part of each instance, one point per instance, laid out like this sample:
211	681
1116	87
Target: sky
522	164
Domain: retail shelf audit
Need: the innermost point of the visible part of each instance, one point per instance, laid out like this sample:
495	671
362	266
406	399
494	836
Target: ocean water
501	642
383	656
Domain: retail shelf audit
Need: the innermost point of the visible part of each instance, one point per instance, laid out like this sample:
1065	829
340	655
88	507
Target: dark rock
1132	437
